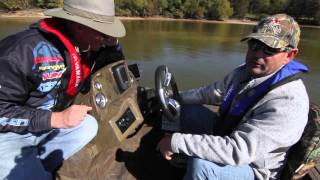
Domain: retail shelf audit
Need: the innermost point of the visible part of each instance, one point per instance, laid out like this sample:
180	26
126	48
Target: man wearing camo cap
279	31
263	111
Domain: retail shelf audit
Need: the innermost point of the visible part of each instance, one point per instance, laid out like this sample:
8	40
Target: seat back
305	154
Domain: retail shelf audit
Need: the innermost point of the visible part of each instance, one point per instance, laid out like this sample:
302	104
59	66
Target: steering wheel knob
174	107
167	79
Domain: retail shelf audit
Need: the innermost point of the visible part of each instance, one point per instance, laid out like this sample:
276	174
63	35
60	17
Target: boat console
113	98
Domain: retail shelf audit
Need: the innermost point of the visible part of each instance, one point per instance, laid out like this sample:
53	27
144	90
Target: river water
197	53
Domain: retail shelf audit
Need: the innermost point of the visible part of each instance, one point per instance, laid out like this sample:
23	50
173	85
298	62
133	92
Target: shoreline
38	14
159	18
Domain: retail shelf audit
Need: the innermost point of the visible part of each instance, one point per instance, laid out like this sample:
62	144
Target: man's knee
200	169
203	169
66	142
90	126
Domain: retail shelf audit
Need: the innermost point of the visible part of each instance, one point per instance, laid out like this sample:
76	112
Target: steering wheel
167	92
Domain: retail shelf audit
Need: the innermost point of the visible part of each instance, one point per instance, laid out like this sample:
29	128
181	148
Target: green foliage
295	7
122	8
220	9
156	7
317	17
306	11
190	8
175	3
123	12
240	8
137	7
173	8
12	5
195	8
259	6
49	3
178	14
312	8
278	6
163	4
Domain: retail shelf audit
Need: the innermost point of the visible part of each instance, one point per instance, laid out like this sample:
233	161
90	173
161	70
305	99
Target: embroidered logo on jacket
13	122
49	67
48	64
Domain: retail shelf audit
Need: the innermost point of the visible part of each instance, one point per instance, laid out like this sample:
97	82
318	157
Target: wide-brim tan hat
96	14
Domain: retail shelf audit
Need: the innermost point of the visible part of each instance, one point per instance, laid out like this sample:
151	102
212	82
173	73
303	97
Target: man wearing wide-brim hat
42	70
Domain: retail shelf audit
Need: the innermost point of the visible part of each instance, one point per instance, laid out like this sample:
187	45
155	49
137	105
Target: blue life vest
235	113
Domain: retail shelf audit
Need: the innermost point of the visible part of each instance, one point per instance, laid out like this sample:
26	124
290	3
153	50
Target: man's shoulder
21	42
293	93
20	38
293	88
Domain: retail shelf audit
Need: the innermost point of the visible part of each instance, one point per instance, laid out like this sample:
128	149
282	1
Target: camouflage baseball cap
277	31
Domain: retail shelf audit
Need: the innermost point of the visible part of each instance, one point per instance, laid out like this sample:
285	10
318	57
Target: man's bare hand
70	117
165	147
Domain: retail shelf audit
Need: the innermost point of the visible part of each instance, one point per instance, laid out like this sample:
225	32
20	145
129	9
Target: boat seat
314	173
304	156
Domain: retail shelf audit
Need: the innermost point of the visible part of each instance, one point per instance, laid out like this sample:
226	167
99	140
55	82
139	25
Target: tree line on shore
305	11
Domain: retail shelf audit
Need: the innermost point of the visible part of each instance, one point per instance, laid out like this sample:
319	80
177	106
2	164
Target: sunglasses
255	45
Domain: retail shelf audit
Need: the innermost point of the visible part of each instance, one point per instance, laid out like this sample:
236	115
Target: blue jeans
201	169
197	119
36	156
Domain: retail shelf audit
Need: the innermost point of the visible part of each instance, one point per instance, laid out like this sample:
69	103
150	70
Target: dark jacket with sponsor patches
36	75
